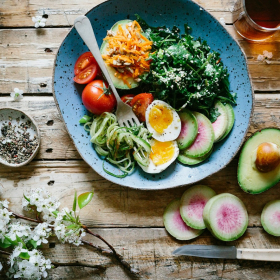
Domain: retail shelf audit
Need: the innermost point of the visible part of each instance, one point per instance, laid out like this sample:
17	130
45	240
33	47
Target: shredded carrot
128	52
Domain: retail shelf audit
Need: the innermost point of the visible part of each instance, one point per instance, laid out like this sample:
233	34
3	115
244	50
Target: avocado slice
250	179
118	83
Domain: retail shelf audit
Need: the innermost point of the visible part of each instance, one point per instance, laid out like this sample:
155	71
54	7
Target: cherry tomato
84	61
97	98
140	104
127	98
87	75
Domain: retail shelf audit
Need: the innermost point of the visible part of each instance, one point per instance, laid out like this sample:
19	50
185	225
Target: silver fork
124	113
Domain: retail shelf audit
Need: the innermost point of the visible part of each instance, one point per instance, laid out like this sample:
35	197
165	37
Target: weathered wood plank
113	205
60	13
150	251
27	58
44	111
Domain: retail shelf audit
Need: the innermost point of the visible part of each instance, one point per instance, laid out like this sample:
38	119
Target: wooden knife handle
272	255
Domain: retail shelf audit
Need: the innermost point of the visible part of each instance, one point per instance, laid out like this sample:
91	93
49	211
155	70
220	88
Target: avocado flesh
250	179
118	83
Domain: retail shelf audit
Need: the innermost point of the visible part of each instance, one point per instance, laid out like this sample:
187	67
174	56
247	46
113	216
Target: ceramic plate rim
168	186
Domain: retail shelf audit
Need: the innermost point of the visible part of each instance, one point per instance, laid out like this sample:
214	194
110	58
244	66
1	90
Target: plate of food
183	74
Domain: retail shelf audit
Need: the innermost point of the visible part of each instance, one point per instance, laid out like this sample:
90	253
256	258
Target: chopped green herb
184	72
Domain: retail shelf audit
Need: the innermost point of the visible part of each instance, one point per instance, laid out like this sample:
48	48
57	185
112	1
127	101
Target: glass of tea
256	20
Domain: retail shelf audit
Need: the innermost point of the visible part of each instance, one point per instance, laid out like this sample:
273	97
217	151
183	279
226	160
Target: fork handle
84	28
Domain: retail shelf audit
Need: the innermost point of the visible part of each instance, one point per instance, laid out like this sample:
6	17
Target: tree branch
4	252
18	216
113	252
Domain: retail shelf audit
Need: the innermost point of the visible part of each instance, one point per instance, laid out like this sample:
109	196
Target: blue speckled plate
155	12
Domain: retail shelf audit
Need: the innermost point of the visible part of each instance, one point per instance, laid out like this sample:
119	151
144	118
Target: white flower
267	54
17	94
4	203
20	230
222	21
43	201
260	57
1	266
40	233
33	268
5	215
39	21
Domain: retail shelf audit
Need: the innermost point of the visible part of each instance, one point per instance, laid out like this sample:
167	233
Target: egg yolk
160	117
162	152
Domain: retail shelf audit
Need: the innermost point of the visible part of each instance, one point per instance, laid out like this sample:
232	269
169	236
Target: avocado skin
260	182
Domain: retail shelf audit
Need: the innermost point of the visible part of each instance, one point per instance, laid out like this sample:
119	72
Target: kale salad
184	72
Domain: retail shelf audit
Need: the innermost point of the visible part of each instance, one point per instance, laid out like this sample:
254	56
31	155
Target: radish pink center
200	136
275	219
178	222
184	129
217	123
229	218
196	206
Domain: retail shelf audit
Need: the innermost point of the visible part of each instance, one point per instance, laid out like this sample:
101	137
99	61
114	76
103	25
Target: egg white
152	168
172	131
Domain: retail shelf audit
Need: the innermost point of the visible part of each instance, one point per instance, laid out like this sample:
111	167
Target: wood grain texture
113	205
17	13
27	58
45	113
150	251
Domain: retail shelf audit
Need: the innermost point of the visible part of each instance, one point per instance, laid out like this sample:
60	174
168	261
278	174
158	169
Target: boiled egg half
163	121
161	156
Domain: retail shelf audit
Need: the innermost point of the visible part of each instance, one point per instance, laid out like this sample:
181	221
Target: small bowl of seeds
19	138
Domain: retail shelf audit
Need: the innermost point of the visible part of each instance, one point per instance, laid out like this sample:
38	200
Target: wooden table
129	219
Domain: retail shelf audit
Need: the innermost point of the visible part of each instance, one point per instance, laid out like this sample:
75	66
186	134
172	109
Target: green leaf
84	199
32	244
5	244
13	242
75	202
26	198
55	213
19	240
24	255
71	226
85	119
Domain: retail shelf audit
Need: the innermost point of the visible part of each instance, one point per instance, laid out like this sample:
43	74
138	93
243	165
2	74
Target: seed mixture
16	145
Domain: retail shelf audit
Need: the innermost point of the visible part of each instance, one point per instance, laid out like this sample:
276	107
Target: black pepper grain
16	145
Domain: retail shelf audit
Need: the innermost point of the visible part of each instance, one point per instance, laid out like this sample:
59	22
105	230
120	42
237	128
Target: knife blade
207	251
228	252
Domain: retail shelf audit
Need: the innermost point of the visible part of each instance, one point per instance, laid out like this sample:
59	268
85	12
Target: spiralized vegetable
121	146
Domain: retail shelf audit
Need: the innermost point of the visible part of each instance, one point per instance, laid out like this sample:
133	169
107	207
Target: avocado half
118	83
250	179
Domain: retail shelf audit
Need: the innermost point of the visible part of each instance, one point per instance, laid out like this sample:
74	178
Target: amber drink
256	20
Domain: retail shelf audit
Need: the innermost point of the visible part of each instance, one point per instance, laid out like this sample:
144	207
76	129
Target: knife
228	252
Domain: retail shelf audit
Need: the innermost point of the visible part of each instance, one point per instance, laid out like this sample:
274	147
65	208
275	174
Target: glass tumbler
256	20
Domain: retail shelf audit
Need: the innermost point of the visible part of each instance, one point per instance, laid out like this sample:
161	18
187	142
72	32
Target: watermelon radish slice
206	212
175	225
193	161
230	115
226	217
220	125
193	202
204	140
270	217
189	129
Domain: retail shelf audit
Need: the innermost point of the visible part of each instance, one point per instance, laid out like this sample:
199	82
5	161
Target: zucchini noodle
121	146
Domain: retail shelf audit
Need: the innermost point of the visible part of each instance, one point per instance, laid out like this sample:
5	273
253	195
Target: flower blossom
40	233
43	201
39	21
21	230
32	268
17	94
64	234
